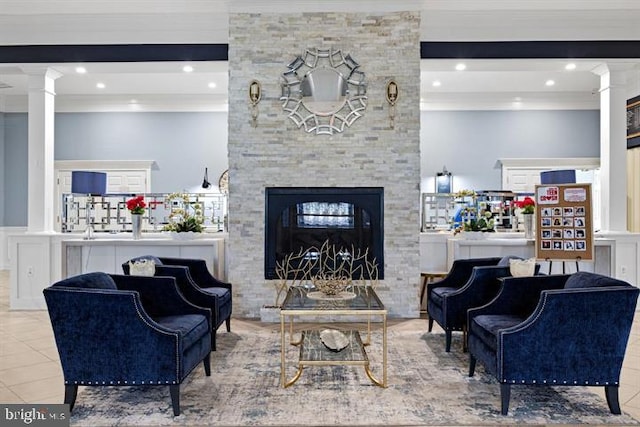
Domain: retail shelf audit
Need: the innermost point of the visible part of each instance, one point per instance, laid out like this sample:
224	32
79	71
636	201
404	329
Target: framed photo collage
564	230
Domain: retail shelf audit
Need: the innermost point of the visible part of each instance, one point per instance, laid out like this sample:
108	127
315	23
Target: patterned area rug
426	387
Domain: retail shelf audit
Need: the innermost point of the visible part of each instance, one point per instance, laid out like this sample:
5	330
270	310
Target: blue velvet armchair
445	311
556	330
197	285
114	330
449	308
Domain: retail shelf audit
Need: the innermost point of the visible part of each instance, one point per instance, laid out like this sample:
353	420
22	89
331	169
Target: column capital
41	78
613	74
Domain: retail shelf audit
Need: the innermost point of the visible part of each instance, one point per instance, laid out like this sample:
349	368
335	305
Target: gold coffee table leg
373	378
295	378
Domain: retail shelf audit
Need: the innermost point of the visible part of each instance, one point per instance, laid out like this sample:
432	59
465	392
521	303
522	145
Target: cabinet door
520	180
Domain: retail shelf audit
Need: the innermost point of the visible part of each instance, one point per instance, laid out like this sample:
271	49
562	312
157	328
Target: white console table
107	255
439	250
39	259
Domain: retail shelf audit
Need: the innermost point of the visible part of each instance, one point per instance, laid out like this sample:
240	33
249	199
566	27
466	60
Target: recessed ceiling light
570	66
436	83
212	85
461	67
133	101
549	82
187	68
100	85
517	99
81	70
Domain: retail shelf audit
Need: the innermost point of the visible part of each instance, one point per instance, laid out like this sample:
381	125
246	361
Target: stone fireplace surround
275	153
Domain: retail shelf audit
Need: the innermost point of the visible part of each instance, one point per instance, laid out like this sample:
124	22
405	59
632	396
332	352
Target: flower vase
528	226
136	226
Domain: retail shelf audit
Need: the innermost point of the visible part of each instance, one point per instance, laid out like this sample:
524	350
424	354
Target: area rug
426	387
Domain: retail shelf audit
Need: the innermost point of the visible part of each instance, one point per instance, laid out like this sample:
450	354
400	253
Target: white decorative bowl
334	340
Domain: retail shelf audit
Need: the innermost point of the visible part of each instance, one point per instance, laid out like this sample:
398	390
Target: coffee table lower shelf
314	353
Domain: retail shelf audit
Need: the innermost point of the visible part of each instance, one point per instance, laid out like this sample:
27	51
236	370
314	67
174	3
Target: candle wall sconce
392	93
255	94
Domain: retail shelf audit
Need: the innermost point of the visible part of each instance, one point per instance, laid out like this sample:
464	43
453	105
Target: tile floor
30	370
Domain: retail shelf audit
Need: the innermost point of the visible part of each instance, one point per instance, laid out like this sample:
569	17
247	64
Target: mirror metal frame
319	122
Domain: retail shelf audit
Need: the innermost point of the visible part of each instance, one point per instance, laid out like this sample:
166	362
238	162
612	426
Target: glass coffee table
357	306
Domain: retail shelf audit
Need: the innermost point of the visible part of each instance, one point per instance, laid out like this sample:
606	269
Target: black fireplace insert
299	218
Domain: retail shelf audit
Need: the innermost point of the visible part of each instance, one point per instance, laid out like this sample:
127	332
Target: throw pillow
522	267
143	267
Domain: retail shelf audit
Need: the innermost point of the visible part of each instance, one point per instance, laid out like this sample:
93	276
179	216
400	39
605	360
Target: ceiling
485	84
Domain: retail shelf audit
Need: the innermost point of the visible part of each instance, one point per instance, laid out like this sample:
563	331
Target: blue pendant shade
83	182
558	177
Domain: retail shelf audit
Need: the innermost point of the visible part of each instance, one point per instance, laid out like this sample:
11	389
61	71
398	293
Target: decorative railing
108	213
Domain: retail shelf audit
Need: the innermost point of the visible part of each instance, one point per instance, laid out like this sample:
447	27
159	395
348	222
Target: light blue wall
183	144
15	169
469	143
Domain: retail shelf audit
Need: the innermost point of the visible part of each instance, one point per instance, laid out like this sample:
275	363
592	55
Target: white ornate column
41	185
613	145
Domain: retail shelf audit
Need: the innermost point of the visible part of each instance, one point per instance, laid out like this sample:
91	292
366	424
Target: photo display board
564	229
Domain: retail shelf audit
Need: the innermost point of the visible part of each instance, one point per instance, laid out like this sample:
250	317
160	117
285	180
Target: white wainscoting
5	232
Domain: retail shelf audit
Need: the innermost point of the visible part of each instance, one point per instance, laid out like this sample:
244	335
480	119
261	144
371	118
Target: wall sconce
392	97
205	182
444	181
255	94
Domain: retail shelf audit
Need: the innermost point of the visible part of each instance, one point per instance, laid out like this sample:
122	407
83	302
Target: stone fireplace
299	218
275	153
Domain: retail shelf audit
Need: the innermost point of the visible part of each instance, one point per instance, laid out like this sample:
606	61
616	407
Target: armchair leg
430	324
228	323
70	394
472	365
207	365
213	340
611	391
505	396
447	337
464	339
174	390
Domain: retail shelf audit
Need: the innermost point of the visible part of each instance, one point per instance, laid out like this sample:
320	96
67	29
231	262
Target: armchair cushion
487	327
584	279
89	281
192	327
223	294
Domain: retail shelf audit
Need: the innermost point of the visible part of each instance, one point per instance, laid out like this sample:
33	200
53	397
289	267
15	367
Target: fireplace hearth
299	218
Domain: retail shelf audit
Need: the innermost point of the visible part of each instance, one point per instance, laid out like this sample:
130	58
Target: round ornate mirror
324	91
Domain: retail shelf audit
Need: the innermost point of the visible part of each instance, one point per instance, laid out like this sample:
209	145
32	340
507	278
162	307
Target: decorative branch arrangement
327	266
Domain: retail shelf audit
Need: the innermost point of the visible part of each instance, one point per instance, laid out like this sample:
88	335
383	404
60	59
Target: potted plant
527	207
185	218
136	206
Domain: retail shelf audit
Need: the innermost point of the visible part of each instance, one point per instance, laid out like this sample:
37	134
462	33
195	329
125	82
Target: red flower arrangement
527	205
136	205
